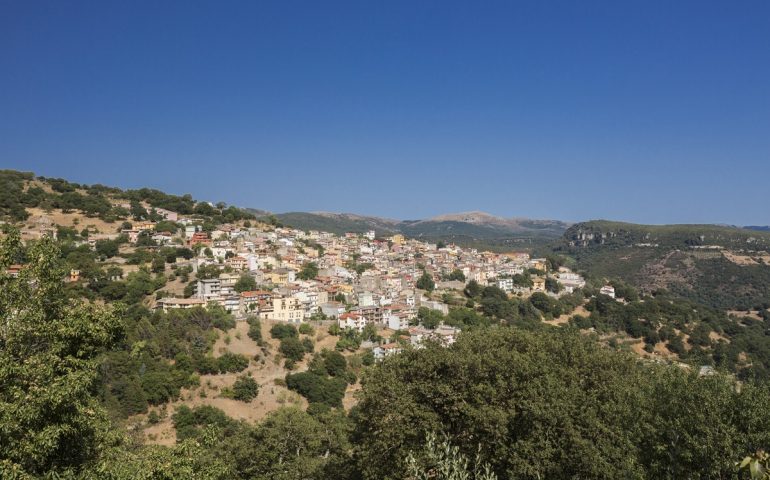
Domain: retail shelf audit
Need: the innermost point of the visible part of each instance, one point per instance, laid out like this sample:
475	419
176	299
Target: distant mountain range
465	228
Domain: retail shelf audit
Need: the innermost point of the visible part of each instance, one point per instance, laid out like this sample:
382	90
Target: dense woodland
514	397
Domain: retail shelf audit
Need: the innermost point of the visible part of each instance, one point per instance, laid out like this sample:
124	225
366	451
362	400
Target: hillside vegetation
723	267
20	191
97	384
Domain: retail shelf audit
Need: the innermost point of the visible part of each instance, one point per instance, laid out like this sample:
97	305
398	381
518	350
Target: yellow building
538	264
288	309
278	278
398	239
538	284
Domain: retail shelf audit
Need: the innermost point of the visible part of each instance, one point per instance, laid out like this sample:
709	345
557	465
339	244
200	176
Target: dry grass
271	396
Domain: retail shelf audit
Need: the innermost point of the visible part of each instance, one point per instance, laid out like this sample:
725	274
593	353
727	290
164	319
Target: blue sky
646	111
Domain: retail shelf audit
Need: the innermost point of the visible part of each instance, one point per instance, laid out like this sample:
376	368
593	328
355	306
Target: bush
189	422
292	349
255	329
281	331
245	389
306	329
232	363
318	389
334	363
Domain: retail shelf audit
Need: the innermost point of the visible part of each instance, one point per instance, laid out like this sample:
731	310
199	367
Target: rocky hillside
725	267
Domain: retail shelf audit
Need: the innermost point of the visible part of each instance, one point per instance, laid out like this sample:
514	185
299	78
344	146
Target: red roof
256	293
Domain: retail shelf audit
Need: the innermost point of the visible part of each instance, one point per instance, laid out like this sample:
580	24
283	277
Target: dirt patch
563	319
265	371
74	219
239	342
715	337
742	260
753	314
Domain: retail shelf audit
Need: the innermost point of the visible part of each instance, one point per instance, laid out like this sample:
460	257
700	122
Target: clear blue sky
647	111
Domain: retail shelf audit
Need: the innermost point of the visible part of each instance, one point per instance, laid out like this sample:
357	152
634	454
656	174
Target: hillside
23	194
724	267
213	393
474	229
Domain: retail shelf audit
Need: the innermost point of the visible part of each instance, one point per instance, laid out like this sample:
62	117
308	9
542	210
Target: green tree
457	274
106	248
473	289
283	330
49	350
292	348
552	285
245	283
309	271
425	282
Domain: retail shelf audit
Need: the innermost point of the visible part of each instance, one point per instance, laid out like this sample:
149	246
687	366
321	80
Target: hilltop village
288	275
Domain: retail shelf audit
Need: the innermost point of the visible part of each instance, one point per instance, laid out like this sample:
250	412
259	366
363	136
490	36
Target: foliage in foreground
556	405
49	348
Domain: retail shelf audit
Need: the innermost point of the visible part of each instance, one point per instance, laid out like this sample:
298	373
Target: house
132	234
281	276
352	320
208	289
538	284
237	263
446	335
608	290
537	264
167	304
366	299
443	334
383	351
251	300
162	238
571	281
13	271
231	303
200	238
228	281
397	321
286	309
144	226
505	284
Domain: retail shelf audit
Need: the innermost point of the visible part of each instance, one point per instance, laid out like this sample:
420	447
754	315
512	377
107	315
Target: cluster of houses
356	279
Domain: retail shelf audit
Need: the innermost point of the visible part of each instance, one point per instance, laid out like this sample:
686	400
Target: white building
209	289
608	290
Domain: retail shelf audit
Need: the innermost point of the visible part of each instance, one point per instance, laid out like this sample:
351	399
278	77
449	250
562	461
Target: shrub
306	329
281	331
255	329
245	389
292	349
232	363
318	389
